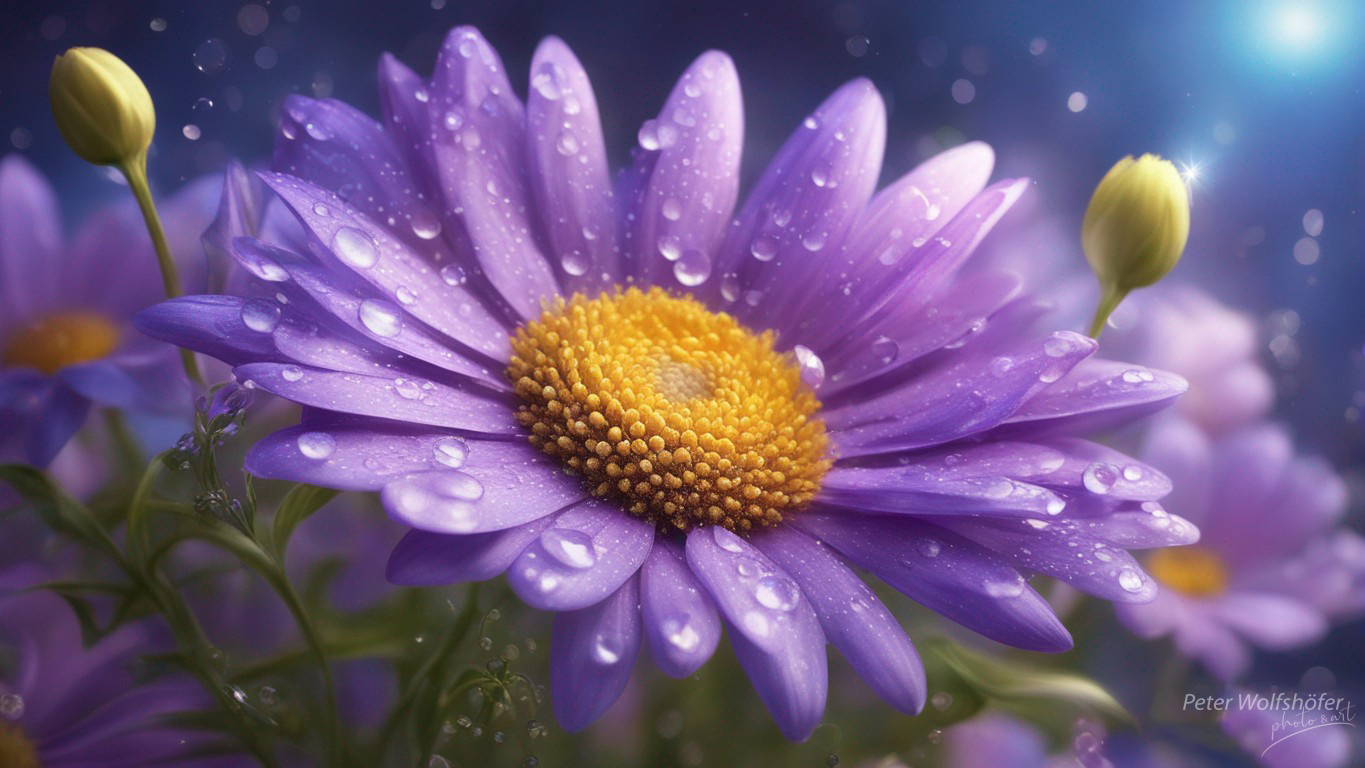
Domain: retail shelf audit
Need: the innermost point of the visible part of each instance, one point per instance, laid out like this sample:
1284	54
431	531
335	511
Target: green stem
135	171
311	637
1109	301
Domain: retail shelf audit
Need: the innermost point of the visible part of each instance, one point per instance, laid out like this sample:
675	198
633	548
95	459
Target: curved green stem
135	171
1110	298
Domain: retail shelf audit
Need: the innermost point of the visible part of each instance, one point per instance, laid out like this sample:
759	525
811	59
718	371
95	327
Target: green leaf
61	512
1013	682
298	505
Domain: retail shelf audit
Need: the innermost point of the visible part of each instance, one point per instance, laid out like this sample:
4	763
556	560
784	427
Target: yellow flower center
56	341
1192	571
683	414
16	751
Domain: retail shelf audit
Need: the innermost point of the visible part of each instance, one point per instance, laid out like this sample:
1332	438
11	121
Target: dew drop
1130	580
381	317
291	373
811	366
425	224
1099	478
764	249
260	315
777	592
570	547
450	451
453	274
316	445
355	248
211	56
692	267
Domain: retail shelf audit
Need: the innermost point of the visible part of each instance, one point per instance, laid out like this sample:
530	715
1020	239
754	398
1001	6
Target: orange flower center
58	340
682	413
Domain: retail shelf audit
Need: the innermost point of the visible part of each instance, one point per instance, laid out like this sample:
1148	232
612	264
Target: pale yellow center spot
683	414
1193	571
16	751
56	341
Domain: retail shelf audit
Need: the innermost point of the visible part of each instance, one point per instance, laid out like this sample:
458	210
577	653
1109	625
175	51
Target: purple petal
592	652
1060	550
912	331
946	573
852	617
913	490
355	245
585	555
30	241
968	394
680	621
904	277
1274	622
687	176
369	321
568	168
773	627
364	455
912	209
208	324
408	399
481	167
1095	395
800	212
425	559
504	492
241	213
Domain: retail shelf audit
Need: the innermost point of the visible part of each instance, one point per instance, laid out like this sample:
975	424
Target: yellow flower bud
1135	228
101	106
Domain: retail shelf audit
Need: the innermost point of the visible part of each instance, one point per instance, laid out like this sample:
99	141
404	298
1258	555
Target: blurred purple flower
1271	568
430	240
1280	738
1182	329
65	706
66	341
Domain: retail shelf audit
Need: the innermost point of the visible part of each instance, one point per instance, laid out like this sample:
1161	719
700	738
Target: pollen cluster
683	414
1193	571
56	341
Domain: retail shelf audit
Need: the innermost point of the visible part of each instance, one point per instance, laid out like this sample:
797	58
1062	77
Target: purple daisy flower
664	419
66	338
65	706
1269	522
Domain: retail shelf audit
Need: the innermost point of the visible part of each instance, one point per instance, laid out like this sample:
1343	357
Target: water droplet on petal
812	367
355	248
570	547
1130	580
692	268
1099	477
450	451
381	317
453	274
260	315
777	592
316	445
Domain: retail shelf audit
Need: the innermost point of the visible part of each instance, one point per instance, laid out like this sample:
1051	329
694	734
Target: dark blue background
1157	76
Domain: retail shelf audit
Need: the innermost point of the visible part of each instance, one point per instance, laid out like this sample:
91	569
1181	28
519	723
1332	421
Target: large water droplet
727	540
570	547
777	592
764	248
263	266
381	317
692	268
1130	580
812	367
260	315
450	451
211	56
1099	477
425	223
453	274
679	632
355	248
316	445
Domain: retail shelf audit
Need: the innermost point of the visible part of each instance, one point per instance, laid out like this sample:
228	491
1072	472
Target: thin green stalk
135	171
1109	301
